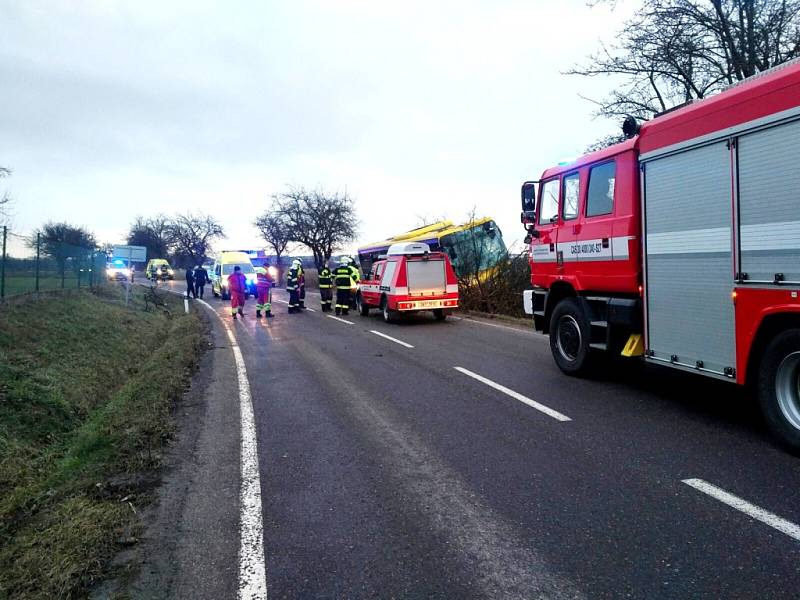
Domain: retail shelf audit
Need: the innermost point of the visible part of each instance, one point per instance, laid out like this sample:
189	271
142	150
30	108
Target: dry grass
86	387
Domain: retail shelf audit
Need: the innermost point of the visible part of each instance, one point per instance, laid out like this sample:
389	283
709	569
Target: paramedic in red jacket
237	288
263	283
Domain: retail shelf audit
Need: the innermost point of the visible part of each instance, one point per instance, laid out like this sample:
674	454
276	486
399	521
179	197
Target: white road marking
517	396
281	301
311	309
340	320
252	570
751	510
388	337
525	331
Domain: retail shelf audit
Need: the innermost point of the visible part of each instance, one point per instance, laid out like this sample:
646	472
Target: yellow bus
474	247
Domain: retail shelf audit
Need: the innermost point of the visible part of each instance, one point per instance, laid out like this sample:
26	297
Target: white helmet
344	260
297	262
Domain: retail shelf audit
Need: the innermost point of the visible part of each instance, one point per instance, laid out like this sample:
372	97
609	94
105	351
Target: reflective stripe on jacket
342	277
291	280
325	279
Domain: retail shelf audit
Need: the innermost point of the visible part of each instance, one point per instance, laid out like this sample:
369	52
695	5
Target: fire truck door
688	268
569	244
546	260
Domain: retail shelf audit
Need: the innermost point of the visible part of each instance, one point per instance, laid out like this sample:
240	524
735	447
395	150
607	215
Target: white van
223	266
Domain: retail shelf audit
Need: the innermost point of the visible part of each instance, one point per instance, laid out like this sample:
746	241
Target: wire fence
32	264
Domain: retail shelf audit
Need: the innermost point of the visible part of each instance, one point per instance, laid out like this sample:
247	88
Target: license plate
428	303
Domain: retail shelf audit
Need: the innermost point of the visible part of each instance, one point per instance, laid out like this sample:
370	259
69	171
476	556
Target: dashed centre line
388	337
516	395
340	320
751	510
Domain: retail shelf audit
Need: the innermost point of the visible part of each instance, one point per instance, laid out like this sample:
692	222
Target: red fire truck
409	278
682	245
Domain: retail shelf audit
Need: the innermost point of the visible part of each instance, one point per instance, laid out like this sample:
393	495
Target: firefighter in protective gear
237	288
263	285
301	282
343	279
355	276
293	287
325	287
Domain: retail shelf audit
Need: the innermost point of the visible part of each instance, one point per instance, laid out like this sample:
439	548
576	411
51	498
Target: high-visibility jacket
342	276
292	280
237	282
325	278
263	281
354	275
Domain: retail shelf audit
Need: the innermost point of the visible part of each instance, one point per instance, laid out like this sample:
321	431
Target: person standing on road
190	283
325	285
263	284
292	286
200	280
355	277
301	283
342	276
237	288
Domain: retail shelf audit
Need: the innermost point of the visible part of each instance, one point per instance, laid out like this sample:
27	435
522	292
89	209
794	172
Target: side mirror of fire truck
528	194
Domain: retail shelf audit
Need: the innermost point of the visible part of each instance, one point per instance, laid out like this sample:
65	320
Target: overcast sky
109	110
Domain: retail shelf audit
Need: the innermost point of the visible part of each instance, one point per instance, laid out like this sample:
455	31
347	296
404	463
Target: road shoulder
190	544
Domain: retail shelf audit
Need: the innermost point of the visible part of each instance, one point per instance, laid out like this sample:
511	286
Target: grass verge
86	388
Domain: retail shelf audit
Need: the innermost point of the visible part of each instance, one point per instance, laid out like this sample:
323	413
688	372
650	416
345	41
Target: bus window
474	250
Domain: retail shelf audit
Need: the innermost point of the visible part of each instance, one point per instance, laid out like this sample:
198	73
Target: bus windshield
476	249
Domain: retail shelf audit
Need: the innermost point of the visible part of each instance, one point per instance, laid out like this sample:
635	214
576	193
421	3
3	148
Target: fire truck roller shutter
689	269
769	203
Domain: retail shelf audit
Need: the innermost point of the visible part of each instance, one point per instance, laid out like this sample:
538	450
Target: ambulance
409	278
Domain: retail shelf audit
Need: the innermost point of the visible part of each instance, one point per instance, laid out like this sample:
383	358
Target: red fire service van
682	245
409	278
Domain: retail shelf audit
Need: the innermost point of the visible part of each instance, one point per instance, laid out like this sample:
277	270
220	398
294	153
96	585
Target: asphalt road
396	471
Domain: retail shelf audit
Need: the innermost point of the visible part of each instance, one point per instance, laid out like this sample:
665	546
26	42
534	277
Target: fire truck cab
409	278
682	245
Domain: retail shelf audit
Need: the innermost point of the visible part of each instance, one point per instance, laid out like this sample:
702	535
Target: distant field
22	284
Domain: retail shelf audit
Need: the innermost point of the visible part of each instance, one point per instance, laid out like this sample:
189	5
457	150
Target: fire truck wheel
779	387
363	309
388	315
439	314
569	337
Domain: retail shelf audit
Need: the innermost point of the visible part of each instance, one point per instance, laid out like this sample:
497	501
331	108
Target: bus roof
426	233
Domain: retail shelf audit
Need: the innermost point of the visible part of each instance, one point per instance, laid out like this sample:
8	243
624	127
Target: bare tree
5	199
192	235
675	51
65	243
321	220
155	233
277	233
